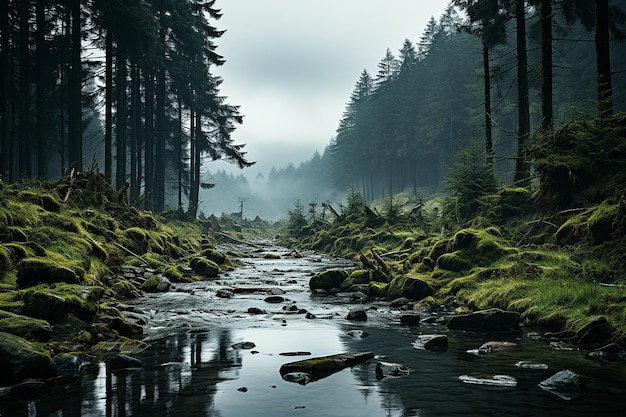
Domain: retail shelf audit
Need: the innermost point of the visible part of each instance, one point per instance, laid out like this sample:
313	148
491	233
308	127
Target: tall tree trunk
135	103
159	151
194	183
179	150
149	141
120	119
488	131
5	95
522	166
140	135
108	108
547	116
75	128
603	59
24	150
42	125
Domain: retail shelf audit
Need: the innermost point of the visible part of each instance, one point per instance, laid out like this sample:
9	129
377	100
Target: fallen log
322	366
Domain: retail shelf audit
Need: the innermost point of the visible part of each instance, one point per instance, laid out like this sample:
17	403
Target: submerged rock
611	352
486	320
244	345
531	365
505	381
410	319
432	342
358	334
357	314
327	280
566	384
384	369
124	362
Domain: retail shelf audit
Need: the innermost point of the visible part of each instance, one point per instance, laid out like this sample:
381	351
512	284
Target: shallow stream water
191	368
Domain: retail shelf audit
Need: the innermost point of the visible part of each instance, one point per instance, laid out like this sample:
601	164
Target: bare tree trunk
42	130
120	119
603	59
547	120
5	95
149	140
108	108
75	128
522	166
488	131
24	149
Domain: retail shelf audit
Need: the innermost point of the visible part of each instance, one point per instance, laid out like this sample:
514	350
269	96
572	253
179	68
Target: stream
192	369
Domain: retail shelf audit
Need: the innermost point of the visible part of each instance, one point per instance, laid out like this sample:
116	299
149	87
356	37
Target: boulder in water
432	342
486	320
504	381
566	384
357	314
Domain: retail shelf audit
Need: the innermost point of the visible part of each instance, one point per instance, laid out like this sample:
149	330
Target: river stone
486	320
224	293
327	280
384	369
410	319
256	310
358	334
357	314
21	360
566	384
531	365
243	345
68	365
301	378
595	333
274	299
124	362
492	381
203	266
409	287
611	352
497	346
432	342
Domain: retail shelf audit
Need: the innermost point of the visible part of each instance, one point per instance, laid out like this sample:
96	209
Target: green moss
125	289
138	239
602	221
271	256
453	262
6	261
55	302
33	271
173	274
377	289
46	201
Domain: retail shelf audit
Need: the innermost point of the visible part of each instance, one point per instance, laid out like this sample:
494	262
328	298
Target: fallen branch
386	269
235	240
130	252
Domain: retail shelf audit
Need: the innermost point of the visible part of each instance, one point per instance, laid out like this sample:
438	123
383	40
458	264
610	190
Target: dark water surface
191	368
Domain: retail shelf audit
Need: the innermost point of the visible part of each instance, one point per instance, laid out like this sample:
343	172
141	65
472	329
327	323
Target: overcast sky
292	64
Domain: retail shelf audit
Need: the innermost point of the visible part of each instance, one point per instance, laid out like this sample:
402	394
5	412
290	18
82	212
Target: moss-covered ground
66	248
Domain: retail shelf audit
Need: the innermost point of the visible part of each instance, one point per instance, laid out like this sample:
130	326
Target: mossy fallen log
323	366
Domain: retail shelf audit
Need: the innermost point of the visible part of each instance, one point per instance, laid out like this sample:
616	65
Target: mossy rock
440	247
217	256
328	280
55	302
359	276
17	251
603	220
34	271
23	326
13	234
377	289
409	287
125	289
6	260
45	201
486	320
138	238
21	360
205	267
572	231
453	262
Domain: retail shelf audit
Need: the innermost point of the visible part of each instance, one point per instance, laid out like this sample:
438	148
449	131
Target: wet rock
68	365
401	302
224	293
310	316
124	362
274	299
301	378
384	369
327	280
303	353
595	333
531	365
205	267
243	345
25	327
276	291
28	390
432	342
358	334
505	381
21	360
357	314
256	310
410	319
242	389
156	283
356	296
486	320
409	287
533	336
566	384
317	368
611	352
497	346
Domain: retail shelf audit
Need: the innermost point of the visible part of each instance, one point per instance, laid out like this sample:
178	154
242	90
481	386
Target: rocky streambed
257	341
